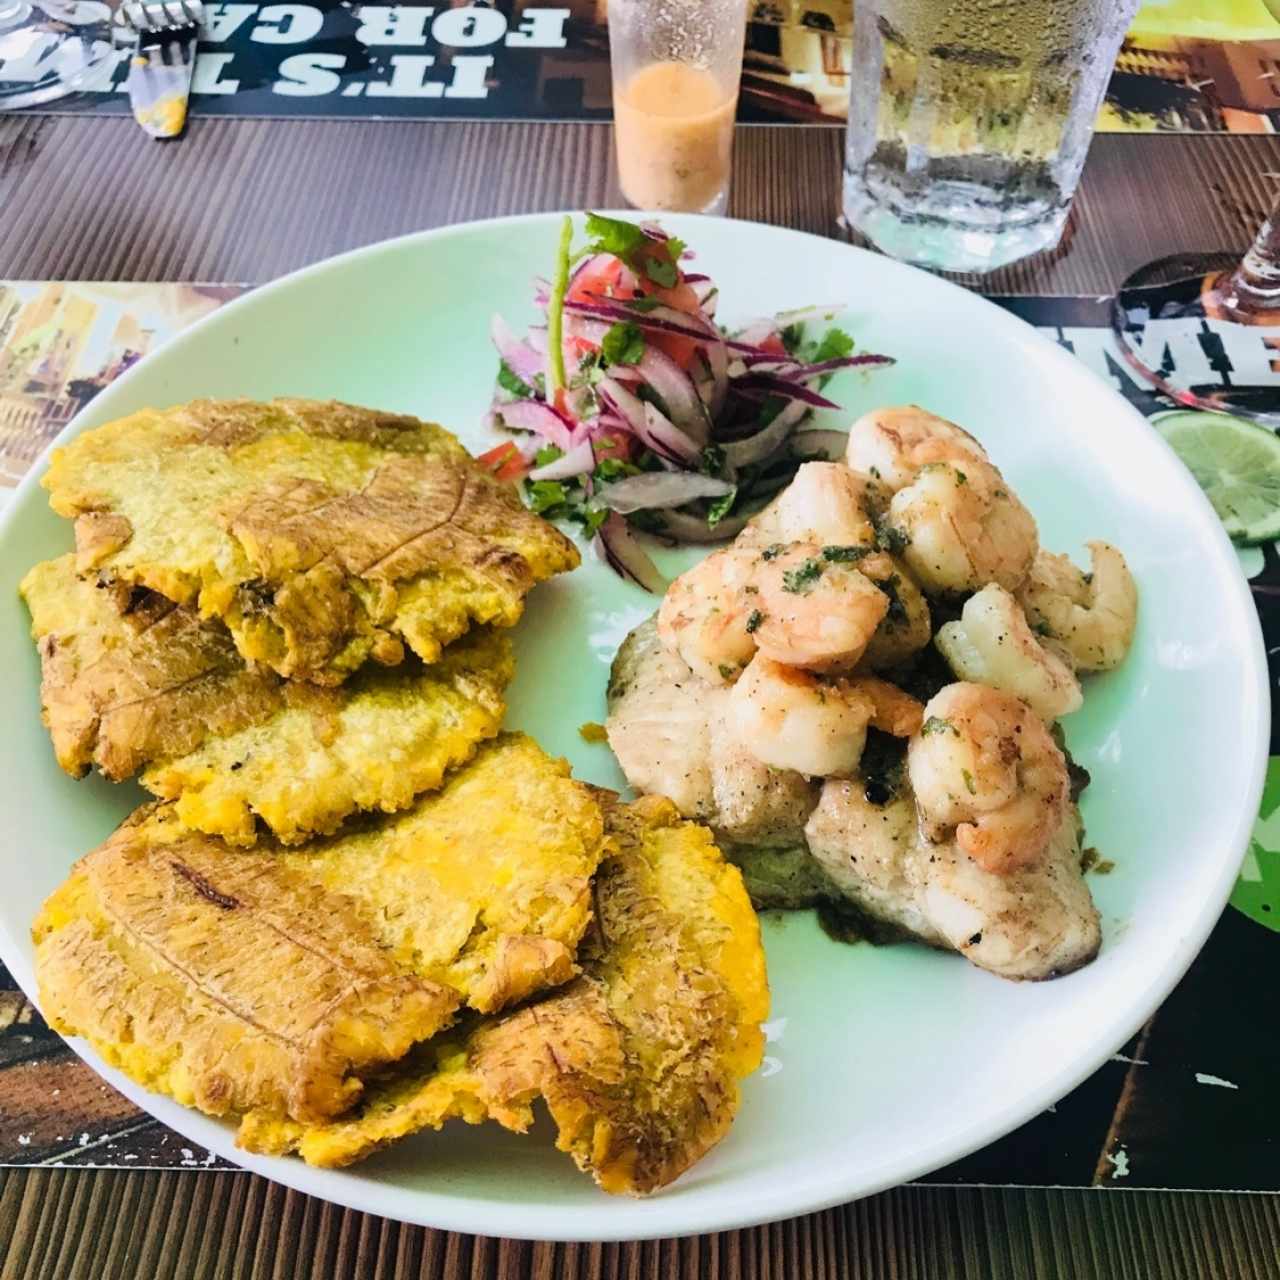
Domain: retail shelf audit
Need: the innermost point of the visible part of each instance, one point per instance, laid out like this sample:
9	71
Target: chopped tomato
774	345
576	349
603	279
675	345
504	462
599	279
612	444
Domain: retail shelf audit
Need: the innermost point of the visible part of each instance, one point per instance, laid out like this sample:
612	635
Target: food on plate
674	736
277	980
638	1059
153	687
960	525
985	768
1031	922
322	534
1091	615
788	694
629	406
993	643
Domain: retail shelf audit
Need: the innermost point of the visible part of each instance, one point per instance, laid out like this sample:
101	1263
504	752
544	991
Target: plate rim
663	1216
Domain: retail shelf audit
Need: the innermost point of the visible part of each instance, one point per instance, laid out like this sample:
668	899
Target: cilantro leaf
623	344
721	508
548	453
711	461
642	304
835	345
663	273
891	538
792	337
509	380
612	235
610	469
799	580
546	494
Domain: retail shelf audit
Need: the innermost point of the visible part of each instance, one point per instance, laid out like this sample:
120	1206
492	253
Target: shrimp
706	612
792	719
893	711
993	644
1091	615
815	725
823	503
892	444
963	528
813	608
907	626
985	766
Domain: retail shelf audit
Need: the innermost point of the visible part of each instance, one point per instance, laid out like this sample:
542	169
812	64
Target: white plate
885	1063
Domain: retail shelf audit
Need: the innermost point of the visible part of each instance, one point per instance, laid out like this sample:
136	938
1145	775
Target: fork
165	33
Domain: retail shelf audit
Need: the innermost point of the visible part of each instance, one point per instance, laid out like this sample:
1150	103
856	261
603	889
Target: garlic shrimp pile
809	634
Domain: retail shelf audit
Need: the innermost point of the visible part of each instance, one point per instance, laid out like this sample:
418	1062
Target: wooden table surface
246	200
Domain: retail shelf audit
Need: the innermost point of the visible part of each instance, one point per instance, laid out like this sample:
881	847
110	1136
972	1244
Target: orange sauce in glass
674	126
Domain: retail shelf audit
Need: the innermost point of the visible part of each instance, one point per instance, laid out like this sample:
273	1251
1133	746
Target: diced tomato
576	348
504	462
601	278
774	345
675	345
612	444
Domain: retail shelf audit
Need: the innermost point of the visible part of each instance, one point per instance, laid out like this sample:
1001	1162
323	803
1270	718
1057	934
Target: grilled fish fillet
275	981
156	687
668	729
1036	922
638	1060
321	533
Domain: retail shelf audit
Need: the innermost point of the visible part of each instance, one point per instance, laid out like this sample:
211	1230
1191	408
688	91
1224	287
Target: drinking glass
676	67
969	121
1228	357
49	48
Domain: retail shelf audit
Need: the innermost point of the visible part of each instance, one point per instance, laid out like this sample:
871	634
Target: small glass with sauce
676	67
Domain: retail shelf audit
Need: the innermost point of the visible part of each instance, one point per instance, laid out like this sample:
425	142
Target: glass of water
969	121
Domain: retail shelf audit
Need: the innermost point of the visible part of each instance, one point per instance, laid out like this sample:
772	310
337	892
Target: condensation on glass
969	121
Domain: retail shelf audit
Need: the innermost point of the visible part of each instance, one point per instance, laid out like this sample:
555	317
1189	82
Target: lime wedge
1236	463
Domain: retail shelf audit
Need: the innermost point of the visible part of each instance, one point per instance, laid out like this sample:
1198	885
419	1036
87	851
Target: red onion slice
654	489
767	441
686	528
520	357
830	444
677	392
648	423
618	548
661	319
580	460
541	418
761	386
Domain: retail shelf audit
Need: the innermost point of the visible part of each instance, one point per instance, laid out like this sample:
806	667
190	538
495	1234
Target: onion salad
630	410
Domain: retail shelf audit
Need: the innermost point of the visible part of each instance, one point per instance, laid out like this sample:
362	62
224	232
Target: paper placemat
1187	66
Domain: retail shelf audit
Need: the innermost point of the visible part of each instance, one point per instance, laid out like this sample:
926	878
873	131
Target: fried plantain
322	534
152	685
275	981
638	1059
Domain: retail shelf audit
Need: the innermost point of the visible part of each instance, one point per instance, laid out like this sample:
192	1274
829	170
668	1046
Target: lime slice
1236	463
